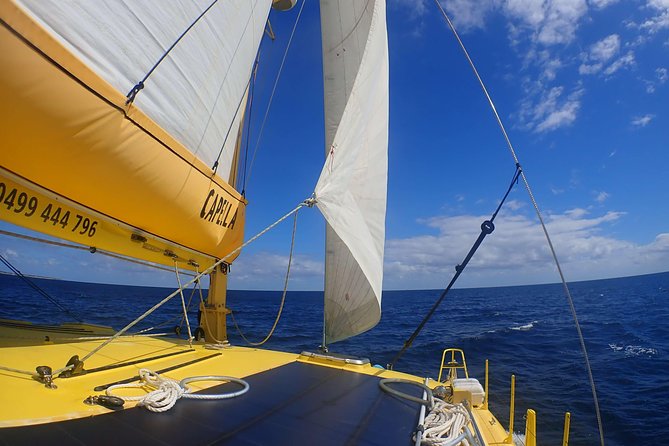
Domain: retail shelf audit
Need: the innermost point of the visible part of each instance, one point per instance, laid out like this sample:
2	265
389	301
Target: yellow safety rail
485	396
565	435
531	428
509	438
453	365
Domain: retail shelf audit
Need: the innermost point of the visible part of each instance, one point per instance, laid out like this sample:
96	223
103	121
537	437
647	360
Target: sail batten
351	191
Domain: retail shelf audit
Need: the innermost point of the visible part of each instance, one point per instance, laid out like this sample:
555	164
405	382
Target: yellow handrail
565	435
453	365
485	395
509	438
531	428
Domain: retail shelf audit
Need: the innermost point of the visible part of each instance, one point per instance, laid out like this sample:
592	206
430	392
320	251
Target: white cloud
514	205
7	252
601	53
517	253
548	22
550	68
662	75
266	270
561	21
600	4
601	197
642	121
469	14
659	4
625	61
417	8
658	21
552	110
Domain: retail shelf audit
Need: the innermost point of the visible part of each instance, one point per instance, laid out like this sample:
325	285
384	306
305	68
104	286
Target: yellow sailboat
122	134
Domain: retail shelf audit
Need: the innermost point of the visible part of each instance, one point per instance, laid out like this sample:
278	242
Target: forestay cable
541	220
271	97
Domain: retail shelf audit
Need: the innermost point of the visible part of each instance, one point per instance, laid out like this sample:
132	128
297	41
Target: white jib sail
195	93
351	191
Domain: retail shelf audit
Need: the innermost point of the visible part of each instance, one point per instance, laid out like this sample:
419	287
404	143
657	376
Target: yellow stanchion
531	428
565	435
509	438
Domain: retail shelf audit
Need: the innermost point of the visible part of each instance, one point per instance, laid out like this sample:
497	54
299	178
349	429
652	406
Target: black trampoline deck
295	404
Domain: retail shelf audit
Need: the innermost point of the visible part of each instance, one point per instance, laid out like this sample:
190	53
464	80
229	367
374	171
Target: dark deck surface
296	404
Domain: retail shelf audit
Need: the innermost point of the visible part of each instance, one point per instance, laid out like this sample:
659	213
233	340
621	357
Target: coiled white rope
445	423
167	391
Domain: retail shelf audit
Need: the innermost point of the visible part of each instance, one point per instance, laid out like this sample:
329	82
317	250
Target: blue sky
583	89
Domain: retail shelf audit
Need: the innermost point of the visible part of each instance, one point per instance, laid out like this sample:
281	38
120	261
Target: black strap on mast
487	227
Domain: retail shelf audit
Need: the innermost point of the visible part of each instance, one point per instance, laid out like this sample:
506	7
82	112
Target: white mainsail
351	191
196	94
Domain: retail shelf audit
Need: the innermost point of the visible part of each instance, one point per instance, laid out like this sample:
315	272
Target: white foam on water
633	350
525	327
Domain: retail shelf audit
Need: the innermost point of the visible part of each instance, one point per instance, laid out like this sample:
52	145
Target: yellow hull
108	163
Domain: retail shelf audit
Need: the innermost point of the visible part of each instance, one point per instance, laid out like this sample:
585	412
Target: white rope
445	424
164	392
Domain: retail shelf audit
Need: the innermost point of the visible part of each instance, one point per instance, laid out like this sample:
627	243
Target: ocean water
527	331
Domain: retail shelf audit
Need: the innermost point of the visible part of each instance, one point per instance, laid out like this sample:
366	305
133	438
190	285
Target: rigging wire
39	290
130	97
183	304
487	227
541	220
91	249
276	82
248	125
283	296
